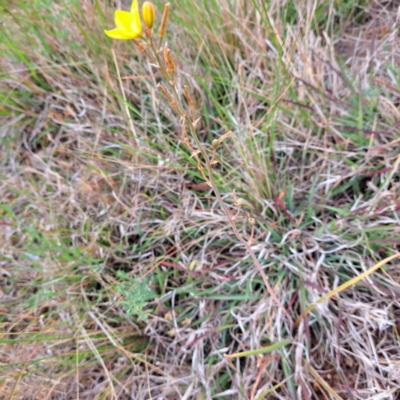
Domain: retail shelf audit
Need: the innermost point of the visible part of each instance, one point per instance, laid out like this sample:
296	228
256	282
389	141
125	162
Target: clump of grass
309	96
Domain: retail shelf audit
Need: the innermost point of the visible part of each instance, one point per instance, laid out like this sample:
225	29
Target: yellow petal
148	13
123	20
136	23
134	7
119	34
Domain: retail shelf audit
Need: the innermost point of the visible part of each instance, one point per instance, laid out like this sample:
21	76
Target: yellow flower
128	24
148	12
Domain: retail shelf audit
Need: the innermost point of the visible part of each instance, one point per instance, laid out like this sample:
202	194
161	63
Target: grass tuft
120	276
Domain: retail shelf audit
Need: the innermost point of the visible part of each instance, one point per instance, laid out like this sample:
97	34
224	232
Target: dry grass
311	94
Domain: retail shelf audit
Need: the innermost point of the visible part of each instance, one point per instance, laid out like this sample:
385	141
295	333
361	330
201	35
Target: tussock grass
310	92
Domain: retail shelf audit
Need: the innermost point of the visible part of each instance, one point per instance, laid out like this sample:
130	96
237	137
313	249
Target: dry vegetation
311	93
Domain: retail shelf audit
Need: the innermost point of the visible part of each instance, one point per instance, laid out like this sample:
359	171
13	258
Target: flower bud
163	27
170	66
148	13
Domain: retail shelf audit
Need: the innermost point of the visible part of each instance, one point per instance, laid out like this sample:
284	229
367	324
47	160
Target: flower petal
123	20
119	34
134	7
136	23
136	27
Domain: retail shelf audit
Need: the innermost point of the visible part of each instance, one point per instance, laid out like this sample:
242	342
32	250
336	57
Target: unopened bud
148	13
163	27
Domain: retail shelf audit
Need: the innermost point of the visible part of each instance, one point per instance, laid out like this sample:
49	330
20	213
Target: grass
87	213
